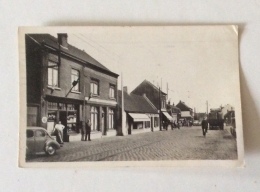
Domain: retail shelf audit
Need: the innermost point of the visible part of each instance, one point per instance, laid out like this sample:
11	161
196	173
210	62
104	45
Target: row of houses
66	84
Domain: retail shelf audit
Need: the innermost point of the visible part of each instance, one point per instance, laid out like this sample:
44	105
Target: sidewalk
94	135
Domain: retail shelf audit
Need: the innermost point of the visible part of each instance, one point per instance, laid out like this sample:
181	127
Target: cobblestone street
184	144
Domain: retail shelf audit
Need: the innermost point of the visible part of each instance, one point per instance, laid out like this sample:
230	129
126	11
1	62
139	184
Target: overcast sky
199	63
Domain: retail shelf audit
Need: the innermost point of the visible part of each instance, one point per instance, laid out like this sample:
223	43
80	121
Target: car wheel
50	150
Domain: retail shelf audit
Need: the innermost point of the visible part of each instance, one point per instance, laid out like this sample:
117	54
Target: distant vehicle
38	140
196	123
215	119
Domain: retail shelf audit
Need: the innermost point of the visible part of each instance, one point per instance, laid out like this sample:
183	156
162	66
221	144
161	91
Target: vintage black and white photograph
130	96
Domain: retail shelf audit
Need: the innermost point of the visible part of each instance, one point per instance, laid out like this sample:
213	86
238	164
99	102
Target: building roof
215	110
172	108
175	109
183	107
135	103
148	83
51	41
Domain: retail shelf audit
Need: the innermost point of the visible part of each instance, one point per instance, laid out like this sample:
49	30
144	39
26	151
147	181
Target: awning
139	117
167	116
94	100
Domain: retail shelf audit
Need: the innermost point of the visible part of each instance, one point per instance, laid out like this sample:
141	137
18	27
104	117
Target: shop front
138	122
67	113
101	114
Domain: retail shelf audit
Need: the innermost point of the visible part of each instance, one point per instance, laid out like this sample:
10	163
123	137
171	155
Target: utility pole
161	83
84	110
167	89
207	108
160	110
123	119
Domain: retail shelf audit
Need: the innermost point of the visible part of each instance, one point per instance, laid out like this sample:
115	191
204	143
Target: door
103	121
152	123
30	145
63	119
40	139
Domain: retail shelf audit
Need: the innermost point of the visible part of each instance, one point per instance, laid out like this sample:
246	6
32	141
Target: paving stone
186	143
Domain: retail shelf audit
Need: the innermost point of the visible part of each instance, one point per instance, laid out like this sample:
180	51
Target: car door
40	139
30	145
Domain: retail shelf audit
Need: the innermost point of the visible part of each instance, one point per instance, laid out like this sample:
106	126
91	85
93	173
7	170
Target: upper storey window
53	74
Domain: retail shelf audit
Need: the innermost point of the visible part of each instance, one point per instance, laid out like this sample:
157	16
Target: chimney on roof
63	40
125	89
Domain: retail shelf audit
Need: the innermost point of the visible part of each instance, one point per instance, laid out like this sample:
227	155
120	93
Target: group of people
86	130
58	131
175	124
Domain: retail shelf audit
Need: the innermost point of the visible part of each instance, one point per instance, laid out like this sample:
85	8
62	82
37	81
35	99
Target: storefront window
52	116
111	119
71	107
156	121
62	106
94	118
138	125
67	113
52	119
72	120
147	124
52	105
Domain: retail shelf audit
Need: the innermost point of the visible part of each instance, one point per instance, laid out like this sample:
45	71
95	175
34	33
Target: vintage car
38	141
196	123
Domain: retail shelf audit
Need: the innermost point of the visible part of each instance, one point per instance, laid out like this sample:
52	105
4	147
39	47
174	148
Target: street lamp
74	83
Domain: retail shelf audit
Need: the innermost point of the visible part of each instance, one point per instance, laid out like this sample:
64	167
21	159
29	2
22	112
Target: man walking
204	126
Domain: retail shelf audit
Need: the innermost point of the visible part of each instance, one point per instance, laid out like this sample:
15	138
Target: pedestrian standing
58	131
88	130
83	130
204	126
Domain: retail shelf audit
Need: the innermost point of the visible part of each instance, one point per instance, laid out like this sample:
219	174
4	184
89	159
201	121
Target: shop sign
44	119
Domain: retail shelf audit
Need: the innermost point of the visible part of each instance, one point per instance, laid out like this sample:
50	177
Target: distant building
200	116
186	112
226	109
174	112
156	97
66	84
139	112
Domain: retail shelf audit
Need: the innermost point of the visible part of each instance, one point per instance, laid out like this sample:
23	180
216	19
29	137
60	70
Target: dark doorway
103	121
63	119
152	123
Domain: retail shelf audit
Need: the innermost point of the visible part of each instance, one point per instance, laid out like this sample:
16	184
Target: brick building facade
65	84
157	98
